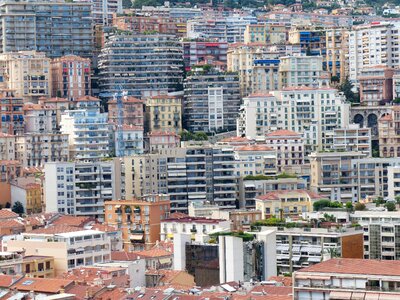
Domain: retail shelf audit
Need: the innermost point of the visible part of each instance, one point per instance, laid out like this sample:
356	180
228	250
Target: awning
164	261
248	185
136	237
80	249
371	296
314	259
340	295
295	258
358	296
312	277
117	206
282	247
170	235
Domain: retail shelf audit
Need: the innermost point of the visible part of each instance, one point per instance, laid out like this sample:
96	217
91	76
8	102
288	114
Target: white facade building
81	188
88	133
373	44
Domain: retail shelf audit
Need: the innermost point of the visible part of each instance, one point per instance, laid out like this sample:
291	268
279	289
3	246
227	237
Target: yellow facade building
164	113
286	203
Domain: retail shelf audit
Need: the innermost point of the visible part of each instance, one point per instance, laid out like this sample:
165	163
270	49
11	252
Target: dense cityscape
199	150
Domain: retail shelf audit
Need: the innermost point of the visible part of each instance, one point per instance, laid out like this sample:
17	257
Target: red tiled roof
254	148
356	266
257	95
8	280
6	213
55	229
115	294
11	224
132	127
235	139
86	98
153	253
128	99
282	132
124	256
103	227
43	285
162	133
272	196
74	221
273	290
286	281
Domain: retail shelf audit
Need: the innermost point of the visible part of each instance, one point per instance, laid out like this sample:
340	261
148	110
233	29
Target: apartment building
311	40
381	233
88	133
25	25
195	226
346	278
195	52
286	203
7	146
393	174
27	73
210	28
297	248
139	220
71	247
130	70
255	160
132	111
36	149
70	77
376	85
289	147
59	104
313	112
38	266
81	188
164	113
201	173
132	140
40	118
301	71
276	33
350	176
211	100
257	65
352	138
156	141
336	50
389	134
103	10
318	19
29	194
11	263
365	52
255	33
12	115
258	115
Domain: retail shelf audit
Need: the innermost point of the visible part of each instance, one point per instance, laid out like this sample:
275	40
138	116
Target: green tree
319	205
347	88
390	206
349	206
18	208
359	206
397	198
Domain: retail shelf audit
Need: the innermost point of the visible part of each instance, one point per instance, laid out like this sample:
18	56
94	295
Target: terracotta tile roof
148	294
168	276
153	253
8	280
115	294
162	133
98	276
11	224
81	291
387	117
54	99
282	132
166	245
86	98
103	227
124	256
55	229
75	221
277	195
273	290
356	266
6	213
10	163
286	281
254	148
261	297
31	106
43	285
178	215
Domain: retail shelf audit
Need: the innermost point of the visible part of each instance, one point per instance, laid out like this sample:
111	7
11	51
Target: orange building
138	220
70	77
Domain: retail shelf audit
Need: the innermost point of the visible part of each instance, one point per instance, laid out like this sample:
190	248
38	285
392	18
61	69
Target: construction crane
120	144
